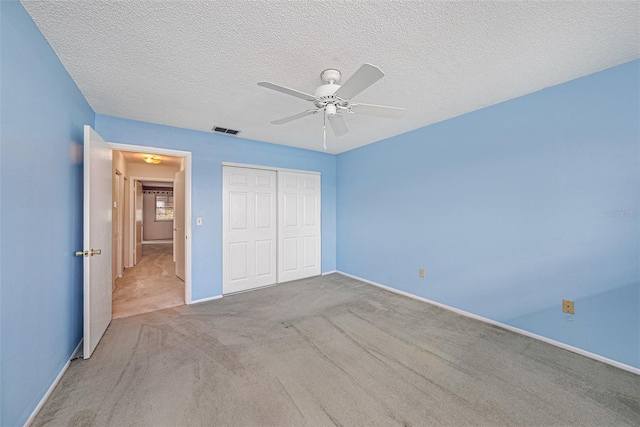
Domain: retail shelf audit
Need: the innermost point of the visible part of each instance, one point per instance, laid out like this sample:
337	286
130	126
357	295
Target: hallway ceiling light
152	160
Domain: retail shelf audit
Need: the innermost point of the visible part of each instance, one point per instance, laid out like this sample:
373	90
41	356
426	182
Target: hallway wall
154	230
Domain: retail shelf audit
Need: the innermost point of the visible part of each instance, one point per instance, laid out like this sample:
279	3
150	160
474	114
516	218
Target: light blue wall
209	151
510	209
43	114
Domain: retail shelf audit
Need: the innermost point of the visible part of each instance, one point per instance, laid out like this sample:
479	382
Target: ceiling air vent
225	130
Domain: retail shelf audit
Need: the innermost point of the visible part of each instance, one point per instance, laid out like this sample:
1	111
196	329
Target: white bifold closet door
299	246
249	228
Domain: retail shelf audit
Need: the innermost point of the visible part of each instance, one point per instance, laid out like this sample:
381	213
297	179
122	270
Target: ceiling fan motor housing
325	95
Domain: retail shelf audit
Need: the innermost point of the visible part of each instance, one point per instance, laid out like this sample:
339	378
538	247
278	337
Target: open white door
97	238
120	226
178	223
139	225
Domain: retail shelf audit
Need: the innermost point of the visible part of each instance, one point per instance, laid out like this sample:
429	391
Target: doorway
97	240
148	227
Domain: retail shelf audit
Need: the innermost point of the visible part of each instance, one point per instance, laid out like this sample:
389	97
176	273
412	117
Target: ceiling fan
333	99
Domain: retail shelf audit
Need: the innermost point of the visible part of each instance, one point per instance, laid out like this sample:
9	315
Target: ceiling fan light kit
332	99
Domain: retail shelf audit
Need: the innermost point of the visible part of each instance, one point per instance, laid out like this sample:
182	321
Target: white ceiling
195	64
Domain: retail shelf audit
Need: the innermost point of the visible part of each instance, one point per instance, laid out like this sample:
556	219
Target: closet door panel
299	232
249	234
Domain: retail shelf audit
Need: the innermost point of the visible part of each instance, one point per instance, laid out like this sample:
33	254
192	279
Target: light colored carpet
332	351
149	286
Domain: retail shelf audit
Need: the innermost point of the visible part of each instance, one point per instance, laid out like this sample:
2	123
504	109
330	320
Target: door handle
81	253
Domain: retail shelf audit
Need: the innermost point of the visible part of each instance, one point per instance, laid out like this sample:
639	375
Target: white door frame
269	168
187	200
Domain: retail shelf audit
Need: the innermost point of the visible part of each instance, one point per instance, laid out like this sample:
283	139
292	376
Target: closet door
249	228
299	245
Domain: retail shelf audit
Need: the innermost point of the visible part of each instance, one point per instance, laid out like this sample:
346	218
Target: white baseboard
44	399
562	345
198	301
329	272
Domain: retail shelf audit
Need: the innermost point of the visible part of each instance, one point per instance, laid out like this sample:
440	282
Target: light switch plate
199	220
421	272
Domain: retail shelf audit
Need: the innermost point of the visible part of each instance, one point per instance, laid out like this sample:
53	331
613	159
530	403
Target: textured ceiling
195	64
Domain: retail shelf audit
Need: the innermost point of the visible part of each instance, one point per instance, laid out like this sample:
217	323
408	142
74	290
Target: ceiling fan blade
295	117
366	75
286	90
338	124
378	111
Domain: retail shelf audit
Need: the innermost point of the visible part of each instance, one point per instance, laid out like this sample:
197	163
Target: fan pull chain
324	130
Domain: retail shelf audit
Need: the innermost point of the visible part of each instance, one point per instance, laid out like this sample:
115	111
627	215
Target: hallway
149	286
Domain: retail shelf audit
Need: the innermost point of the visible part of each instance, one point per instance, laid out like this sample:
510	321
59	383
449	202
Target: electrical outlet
421	272
567	306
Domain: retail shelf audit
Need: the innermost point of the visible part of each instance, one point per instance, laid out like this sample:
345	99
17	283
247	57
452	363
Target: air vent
225	130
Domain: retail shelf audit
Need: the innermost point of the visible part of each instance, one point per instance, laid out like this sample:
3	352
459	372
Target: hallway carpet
332	351
149	286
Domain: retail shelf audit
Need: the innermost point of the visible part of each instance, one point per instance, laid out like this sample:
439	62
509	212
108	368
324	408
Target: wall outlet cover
567	306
